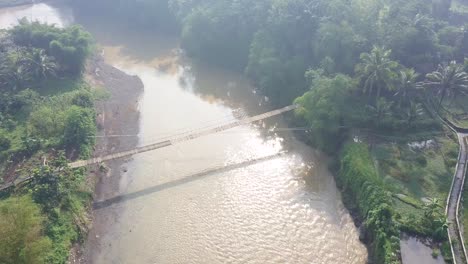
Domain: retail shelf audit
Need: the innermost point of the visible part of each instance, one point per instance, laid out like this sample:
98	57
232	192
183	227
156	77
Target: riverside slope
117	115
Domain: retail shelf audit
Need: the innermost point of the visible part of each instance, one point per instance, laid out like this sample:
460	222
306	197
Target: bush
69	46
83	99
421	160
360	181
62	195
5	142
80	127
323	110
21	240
47	122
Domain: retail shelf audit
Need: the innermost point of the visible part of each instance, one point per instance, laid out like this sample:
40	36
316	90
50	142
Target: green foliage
80	127
340	42
5	142
49	189
406	88
323	109
62	196
41	65
24	100
281	48
358	178
448	81
377	71
21	232
83	99
14	71
47	122
69	46
220	32
55	112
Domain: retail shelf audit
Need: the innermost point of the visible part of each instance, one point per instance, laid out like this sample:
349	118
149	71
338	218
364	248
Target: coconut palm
414	111
447	81
376	70
14	73
41	65
407	84
381	110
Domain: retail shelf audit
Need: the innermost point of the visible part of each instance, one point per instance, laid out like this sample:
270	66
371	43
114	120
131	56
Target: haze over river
286	209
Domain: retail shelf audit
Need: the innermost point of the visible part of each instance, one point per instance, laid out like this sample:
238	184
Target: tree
41	65
5	142
407	85
282	49
431	208
14	72
340	42
440	226
414	111
380	111
80	127
24	100
48	189
21	239
447	81
376	70
46	122
69	46
83	98
323	109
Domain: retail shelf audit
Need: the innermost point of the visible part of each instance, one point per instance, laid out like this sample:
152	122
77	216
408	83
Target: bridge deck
181	138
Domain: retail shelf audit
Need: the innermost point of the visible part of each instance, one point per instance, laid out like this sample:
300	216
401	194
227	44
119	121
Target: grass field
415	174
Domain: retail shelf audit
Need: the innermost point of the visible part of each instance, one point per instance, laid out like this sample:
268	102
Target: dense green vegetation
370	71
360	181
46	113
369	77
366	70
21	240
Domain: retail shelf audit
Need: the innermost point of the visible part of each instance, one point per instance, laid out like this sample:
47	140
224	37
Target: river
286	209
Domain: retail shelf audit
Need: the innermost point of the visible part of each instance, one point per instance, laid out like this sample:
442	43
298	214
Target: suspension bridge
169	141
181	138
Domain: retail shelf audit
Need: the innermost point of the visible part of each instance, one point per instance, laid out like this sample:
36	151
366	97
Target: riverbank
117	115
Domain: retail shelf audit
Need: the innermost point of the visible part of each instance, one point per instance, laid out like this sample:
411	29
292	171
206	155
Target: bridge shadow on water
194	177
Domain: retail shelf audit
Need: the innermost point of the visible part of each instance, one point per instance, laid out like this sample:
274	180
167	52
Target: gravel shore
118	115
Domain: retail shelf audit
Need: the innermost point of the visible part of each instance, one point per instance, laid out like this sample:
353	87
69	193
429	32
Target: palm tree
407	84
448	81
414	111
376	70
381	110
41	65
13	73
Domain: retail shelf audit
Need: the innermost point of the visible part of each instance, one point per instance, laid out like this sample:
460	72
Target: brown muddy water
285	209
